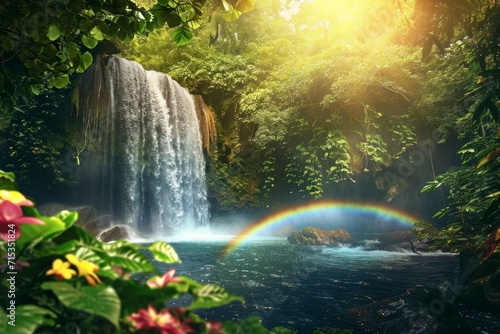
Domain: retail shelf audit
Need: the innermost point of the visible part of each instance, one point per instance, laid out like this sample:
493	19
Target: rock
398	241
397	237
98	225
315	236
118	232
483	290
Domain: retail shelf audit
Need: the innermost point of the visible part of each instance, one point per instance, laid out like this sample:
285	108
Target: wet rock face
315	236
118	232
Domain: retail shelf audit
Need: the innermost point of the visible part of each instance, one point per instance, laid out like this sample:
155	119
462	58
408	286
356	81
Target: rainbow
317	208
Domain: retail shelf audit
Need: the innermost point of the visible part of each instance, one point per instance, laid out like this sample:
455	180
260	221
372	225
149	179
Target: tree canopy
310	97
312	100
42	43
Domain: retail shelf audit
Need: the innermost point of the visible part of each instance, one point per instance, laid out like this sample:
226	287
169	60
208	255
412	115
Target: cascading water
147	167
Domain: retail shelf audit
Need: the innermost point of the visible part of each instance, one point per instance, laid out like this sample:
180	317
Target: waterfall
146	166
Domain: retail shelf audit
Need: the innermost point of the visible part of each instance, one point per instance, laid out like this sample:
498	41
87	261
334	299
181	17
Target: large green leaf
54	32
97	34
101	299
120	244
231	15
250	325
7	181
47	53
85	62
211	296
60	81
129	259
163	252
186	12
134	295
282	330
139	26
76	232
67	217
182	35
89	41
64	248
8	175
27	319
431	186
37	233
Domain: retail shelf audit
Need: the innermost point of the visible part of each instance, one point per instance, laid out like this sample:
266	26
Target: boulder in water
398	241
315	236
118	232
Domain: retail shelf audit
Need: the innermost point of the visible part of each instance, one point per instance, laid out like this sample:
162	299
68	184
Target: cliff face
316	236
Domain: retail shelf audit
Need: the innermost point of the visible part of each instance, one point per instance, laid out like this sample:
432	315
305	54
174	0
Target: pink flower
158	282
165	322
11	216
214	327
122	273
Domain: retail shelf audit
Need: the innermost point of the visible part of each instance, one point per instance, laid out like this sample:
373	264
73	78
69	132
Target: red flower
11	216
160	282
164	322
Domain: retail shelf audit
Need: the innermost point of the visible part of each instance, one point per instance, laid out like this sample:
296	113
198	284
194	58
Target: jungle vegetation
309	97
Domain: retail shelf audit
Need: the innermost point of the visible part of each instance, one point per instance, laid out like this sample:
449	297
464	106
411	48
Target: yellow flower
61	270
85	268
15	197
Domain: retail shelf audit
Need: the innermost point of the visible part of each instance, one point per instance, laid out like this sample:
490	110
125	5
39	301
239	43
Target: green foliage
28	319
232	181
45	304
45	45
473	199
100	300
33	140
402	134
163	252
469	71
283	330
278	89
268	171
